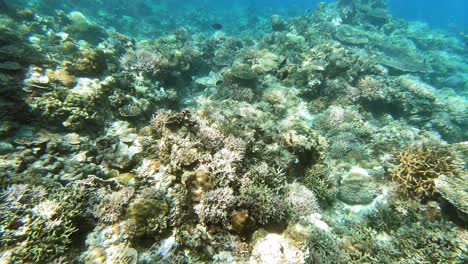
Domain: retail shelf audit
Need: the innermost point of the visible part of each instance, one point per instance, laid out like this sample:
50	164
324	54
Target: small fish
217	26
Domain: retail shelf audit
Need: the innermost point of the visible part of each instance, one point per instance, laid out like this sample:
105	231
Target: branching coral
216	205
232	180
268	133
165	60
111	204
324	186
370	89
265	205
37	224
301	200
418	167
143	60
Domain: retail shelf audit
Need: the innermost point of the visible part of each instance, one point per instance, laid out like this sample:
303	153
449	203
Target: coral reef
37	224
74	109
128	135
168	60
454	190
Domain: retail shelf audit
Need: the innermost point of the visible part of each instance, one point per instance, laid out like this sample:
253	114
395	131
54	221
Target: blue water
448	13
437	13
241	15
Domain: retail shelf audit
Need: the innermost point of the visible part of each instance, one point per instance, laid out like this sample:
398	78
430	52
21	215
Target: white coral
46	209
301	200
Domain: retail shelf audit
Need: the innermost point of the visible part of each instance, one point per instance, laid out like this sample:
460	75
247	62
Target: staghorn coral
324	186
111	204
264	205
37	223
301	200
418	167
215	206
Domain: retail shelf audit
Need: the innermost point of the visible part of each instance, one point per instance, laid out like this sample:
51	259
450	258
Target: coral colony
338	136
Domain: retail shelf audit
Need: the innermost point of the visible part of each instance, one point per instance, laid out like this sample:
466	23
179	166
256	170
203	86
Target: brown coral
241	222
418	167
199	183
88	62
62	77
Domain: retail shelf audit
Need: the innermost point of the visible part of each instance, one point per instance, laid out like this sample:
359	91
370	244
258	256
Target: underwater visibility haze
294	131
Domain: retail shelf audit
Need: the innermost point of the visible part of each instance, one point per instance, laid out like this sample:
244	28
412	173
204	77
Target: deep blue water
246	16
437	13
447	13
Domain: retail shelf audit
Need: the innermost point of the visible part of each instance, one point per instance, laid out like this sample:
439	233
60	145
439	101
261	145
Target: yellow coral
62	76
200	183
418	168
241	222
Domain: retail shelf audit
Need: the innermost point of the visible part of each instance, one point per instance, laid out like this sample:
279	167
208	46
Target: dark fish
283	62
217	26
